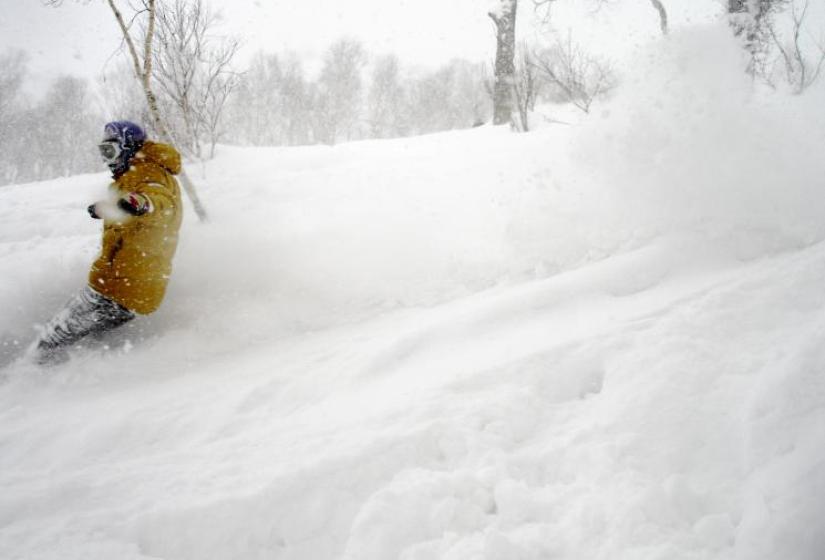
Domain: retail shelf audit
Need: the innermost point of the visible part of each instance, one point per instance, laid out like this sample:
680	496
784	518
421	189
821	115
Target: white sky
80	36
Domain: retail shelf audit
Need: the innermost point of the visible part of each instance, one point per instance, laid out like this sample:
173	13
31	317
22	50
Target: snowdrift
590	341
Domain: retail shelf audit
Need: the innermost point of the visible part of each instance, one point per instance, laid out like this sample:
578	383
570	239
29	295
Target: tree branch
127	38
147	45
659	7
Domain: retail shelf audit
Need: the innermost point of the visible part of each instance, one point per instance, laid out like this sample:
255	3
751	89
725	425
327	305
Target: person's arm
133	204
157	196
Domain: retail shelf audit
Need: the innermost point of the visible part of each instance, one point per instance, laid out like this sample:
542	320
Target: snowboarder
141	218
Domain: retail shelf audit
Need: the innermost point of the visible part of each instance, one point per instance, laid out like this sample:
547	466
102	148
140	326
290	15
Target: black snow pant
89	312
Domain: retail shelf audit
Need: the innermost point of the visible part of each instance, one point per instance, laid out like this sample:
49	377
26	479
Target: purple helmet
127	134
121	141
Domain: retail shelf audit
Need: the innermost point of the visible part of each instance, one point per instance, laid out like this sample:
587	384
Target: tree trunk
505	21
659	7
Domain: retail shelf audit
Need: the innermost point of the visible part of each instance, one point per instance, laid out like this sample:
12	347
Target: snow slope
592	341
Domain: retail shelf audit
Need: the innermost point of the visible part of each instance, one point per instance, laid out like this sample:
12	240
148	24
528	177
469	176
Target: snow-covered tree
256	106
55	137
385	102
271	105
12	72
470	101
429	100
339	92
296	101
576	76
451	97
69	145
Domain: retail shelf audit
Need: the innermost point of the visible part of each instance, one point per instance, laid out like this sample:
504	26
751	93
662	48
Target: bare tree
580	77
504	18
470	97
12	72
217	94
526	86
256	107
142	64
802	66
543	9
272	104
67	107
142	61
297	99
193	70
30	151
452	97
340	87
385	101
428	102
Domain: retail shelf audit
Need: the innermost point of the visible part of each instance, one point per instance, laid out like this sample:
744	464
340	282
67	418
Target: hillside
596	340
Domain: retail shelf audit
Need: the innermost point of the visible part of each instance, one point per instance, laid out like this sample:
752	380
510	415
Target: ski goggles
110	150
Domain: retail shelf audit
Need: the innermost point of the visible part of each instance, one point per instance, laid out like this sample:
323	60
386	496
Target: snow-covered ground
594	341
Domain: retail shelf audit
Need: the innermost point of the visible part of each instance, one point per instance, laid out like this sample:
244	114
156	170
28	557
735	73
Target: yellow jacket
136	256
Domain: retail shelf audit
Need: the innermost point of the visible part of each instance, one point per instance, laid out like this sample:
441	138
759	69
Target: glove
93	211
135	204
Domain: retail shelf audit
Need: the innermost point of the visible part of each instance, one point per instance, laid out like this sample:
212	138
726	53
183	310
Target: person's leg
86	313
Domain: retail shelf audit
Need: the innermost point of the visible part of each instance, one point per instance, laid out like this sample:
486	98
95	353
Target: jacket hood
163	155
